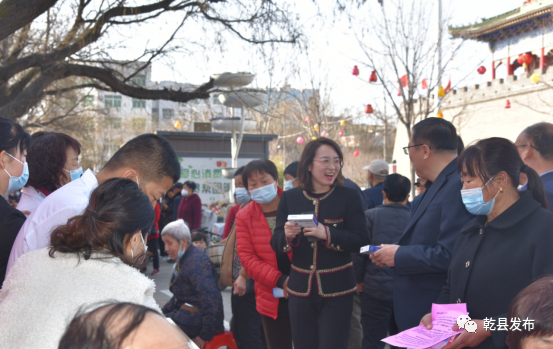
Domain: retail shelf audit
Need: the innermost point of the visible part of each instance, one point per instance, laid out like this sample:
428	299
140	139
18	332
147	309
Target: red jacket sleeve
180	213
157	212
197	213
230	220
256	267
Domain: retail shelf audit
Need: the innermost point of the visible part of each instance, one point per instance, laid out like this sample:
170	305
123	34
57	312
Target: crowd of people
74	251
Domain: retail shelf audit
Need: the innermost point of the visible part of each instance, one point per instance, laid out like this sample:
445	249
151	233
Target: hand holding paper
443	317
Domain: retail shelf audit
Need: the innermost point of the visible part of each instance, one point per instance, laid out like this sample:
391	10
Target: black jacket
11	221
386	225
327	262
492	263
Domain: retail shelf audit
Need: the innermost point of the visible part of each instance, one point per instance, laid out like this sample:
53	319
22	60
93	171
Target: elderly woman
94	257
196	306
53	159
535	302
505	248
121	325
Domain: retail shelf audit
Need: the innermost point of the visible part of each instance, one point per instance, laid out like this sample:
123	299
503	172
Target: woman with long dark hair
13	176
321	282
502	250
92	258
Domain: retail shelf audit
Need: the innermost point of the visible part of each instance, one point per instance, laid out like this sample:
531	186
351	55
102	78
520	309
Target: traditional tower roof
532	15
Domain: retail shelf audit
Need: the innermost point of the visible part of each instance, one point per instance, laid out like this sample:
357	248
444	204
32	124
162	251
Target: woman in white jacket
93	258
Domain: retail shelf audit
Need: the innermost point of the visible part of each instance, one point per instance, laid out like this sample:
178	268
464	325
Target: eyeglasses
327	163
523	145
406	149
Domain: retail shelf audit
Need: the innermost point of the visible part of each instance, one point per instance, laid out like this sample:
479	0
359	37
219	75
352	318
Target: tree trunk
15	14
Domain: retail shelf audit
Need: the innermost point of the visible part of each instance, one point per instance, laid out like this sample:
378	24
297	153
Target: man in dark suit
378	170
535	147
422	256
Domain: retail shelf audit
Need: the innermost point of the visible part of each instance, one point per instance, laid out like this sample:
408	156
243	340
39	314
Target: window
168	113
88	101
138	124
182	112
112	101
114	123
155	114
139	80
138	103
216	99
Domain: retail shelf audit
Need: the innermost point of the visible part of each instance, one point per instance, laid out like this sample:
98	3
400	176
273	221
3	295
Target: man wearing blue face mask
53	159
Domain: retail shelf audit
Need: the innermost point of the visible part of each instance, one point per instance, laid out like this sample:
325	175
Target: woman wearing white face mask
505	248
322	282
255	225
53	162
190	206
13	176
196	306
94	257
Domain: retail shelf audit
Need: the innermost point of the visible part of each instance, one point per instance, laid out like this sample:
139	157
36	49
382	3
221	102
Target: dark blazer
547	180
351	184
373	196
386	224
422	260
11	220
492	263
327	263
416	202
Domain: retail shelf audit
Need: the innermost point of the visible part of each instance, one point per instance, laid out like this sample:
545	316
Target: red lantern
299	140
373	77
525	59
369	109
356	153
508	105
341	133
481	70
355	70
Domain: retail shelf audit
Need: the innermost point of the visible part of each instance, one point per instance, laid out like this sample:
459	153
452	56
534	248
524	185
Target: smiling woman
321	283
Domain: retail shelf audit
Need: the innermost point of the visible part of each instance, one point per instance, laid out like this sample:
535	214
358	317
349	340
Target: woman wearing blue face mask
53	159
255	225
13	176
505	248
93	257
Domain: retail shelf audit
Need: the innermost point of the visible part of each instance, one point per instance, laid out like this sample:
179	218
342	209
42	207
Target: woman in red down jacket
255	225
190	206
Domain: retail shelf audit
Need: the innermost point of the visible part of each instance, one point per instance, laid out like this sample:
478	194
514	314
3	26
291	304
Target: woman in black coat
321	282
13	176
504	249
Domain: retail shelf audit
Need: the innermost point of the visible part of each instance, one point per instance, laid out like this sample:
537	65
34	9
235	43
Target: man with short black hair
535	147
148	159
422	256
378	170
386	225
